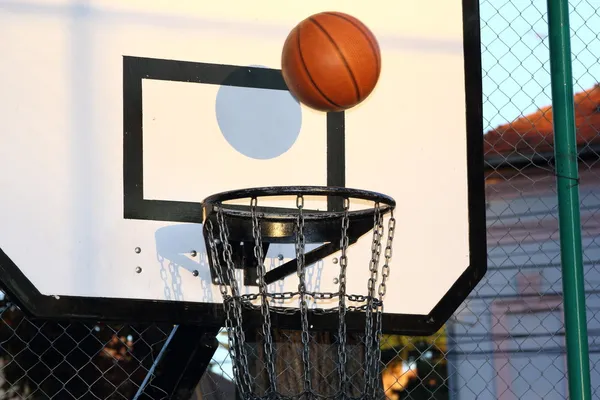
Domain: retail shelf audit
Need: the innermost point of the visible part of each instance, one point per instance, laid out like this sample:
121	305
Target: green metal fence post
567	178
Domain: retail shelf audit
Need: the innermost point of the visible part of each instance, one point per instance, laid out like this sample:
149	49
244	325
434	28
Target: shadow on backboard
180	249
176	246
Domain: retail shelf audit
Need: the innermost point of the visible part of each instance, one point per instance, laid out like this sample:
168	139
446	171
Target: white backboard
119	118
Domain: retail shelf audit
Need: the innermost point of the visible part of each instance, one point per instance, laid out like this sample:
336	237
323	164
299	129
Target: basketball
331	61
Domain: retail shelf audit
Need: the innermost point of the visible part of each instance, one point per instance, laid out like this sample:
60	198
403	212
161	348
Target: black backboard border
22	291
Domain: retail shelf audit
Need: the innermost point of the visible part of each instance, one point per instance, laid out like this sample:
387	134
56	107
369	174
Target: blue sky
515	55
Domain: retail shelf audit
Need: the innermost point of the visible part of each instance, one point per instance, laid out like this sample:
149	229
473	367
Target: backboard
119	118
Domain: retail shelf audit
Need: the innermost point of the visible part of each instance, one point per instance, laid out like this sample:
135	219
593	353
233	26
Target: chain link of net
371	305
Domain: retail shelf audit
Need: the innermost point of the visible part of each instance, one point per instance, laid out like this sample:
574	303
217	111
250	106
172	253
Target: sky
515	55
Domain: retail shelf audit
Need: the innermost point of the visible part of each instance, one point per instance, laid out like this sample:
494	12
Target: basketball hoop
228	226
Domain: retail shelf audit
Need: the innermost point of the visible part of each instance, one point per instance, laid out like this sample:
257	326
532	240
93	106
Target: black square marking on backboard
135	69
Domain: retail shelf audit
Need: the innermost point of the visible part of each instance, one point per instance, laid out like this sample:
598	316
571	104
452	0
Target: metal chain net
507	341
277	384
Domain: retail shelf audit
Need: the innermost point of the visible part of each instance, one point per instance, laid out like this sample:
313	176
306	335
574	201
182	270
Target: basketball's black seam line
317	88
371	45
354	24
337	48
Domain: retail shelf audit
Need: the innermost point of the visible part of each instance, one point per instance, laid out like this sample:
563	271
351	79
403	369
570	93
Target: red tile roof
534	133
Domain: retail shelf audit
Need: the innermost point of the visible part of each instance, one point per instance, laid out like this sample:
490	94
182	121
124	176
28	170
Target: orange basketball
331	61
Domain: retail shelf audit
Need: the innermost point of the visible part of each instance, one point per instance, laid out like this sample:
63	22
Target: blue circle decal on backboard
258	123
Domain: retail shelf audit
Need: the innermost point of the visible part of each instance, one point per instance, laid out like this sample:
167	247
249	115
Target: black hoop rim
215	201
271	191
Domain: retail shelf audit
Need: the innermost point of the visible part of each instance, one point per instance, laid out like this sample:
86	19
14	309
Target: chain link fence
72	360
507	341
